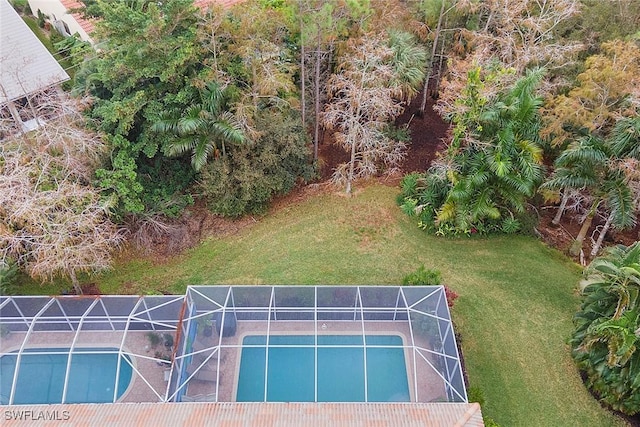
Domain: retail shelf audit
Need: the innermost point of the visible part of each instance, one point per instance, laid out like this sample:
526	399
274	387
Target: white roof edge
27	66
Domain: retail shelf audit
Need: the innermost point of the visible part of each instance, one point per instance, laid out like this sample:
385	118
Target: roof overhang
249	414
27	66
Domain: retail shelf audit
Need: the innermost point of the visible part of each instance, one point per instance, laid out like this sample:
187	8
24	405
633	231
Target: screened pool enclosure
232	343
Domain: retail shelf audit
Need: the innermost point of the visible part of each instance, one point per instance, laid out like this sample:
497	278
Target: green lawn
514	313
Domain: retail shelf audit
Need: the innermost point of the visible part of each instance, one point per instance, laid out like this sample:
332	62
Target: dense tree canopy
149	64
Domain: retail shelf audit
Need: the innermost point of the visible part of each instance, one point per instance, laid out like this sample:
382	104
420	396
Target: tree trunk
316	132
436	89
576	246
603	233
16	117
75	282
352	166
425	89
563	205
303	85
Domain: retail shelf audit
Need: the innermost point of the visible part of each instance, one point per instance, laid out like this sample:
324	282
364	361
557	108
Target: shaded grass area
514	313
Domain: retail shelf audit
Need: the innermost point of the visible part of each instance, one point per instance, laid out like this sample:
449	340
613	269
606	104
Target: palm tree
607	335
408	62
589	165
204	129
495	174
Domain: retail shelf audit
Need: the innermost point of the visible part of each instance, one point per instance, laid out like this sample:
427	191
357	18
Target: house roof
27	66
86	24
234	414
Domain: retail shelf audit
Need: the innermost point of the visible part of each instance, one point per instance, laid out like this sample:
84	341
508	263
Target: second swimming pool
42	372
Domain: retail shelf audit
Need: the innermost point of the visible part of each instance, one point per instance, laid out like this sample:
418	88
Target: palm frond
620	200
201	152
625	138
180	146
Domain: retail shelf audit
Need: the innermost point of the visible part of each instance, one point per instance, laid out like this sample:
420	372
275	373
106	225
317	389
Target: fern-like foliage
607	328
493	164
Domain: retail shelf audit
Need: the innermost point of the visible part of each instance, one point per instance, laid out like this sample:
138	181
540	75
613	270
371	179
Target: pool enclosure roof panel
203	331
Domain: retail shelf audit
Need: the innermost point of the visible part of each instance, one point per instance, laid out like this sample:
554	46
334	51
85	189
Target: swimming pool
348	369
92	376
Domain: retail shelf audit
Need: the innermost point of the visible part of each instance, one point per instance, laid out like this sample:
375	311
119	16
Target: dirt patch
561	236
87	289
330	155
428	135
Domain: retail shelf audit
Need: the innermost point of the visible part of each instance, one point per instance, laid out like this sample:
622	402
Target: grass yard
514	313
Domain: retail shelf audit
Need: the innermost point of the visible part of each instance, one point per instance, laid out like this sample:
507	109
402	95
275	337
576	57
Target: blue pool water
92	377
341	370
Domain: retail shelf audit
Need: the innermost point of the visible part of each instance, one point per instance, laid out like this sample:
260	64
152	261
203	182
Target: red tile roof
89	24
86	24
234	414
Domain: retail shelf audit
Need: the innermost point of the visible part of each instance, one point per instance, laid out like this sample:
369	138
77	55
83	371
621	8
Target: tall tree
522	33
589	166
437	36
258	61
148	60
52	221
363	101
608	88
323	25
408	63
518	34
625	146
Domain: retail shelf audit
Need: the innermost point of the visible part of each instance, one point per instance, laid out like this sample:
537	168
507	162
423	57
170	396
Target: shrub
41	18
154	339
247	178
55	37
422	277
475	394
451	296
400	133
73	49
8	278
422	195
493	163
511	226
606	337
